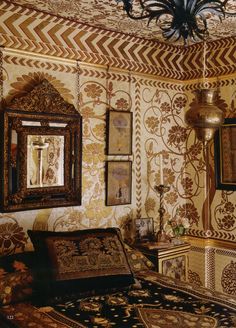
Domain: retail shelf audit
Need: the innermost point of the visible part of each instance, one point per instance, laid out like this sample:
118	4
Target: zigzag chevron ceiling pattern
30	30
107	14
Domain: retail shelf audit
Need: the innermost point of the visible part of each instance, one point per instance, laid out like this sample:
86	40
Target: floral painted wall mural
158	130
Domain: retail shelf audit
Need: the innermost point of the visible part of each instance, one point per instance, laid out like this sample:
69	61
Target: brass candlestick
161	235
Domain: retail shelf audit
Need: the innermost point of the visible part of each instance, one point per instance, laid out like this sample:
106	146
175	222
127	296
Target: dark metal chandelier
188	17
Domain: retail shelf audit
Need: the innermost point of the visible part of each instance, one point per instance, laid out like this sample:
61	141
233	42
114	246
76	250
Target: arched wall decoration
41	151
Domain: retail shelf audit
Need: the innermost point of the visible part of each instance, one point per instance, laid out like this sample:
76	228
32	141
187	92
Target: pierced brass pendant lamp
204	115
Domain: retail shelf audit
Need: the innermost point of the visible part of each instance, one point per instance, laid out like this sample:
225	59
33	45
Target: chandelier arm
189	17
229	14
155	16
137	17
209	5
191	5
203	4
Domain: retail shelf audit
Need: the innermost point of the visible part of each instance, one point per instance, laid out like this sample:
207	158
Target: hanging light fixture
204	115
188	17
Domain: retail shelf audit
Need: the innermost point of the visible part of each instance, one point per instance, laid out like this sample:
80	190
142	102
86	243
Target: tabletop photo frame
144	228
119	132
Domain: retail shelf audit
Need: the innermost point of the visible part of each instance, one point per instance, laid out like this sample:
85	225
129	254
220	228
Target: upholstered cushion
78	262
137	260
15	278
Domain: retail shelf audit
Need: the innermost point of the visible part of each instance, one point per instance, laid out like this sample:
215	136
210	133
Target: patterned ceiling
110	15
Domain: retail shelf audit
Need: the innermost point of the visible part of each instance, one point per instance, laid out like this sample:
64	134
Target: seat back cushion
83	261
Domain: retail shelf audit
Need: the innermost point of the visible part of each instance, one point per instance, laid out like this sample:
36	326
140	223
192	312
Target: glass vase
178	232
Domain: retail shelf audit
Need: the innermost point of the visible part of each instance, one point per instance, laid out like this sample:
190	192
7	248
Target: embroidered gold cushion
137	260
79	261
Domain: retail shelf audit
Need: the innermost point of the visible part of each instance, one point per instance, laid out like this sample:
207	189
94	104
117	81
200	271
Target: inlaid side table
170	260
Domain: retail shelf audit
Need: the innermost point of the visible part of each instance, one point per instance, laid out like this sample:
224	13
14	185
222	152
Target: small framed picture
118	182
119	133
225	155
144	229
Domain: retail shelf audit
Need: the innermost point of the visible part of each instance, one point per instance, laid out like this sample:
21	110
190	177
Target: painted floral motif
70	220
122	104
225	213
229	207
96	211
165	107
93	153
187	184
150	204
168	176
152	123
189	211
171	198
93	90
195	150
99	130
87	112
194	278
228	278
177	136
12	237
180	102
227	222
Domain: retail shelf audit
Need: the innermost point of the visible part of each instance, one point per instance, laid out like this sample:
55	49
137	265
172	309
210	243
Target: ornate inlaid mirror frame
40	151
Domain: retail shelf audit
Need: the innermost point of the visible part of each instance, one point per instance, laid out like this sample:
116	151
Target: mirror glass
45	161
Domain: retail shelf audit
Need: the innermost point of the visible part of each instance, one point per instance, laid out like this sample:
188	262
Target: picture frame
225	155
119	132
41	151
144	228
118	182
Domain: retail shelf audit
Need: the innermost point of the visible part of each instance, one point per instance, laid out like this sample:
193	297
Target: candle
161	170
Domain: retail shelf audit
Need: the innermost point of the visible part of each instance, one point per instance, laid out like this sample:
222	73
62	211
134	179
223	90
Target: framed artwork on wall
41	151
118	182
225	155
119	133
144	228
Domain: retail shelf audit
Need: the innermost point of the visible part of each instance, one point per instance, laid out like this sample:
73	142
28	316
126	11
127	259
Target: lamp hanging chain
1	77
79	71
204	64
130	91
108	100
